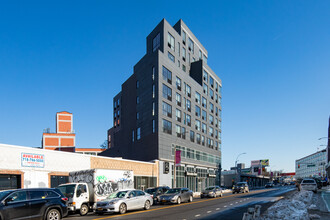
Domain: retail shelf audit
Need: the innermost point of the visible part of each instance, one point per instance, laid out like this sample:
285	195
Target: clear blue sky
273	58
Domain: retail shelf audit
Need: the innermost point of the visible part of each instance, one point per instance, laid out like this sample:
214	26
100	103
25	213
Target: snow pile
290	209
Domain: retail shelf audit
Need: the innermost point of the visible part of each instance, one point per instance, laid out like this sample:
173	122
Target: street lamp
237	159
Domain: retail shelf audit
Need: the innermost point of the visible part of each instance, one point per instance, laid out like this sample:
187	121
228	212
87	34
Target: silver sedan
124	200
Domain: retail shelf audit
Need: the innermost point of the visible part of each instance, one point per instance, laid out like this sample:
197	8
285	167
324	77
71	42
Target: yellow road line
168	207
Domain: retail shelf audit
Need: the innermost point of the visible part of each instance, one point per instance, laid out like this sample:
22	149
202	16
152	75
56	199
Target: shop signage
178	158
32	160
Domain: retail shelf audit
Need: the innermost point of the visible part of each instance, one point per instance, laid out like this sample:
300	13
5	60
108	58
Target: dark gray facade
173	99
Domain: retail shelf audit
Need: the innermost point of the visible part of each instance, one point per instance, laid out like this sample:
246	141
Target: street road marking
197	215
236	202
209	211
231	204
225	206
217	208
168	207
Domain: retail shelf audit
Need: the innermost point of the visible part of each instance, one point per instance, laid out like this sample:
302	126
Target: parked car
124	200
156	191
211	191
308	184
269	185
176	195
241	187
45	203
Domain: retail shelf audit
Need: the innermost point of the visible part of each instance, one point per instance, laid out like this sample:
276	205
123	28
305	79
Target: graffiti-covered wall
103	182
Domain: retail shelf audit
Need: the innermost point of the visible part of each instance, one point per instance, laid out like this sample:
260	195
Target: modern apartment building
171	101
312	165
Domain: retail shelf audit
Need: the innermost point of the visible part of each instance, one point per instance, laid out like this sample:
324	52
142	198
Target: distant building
64	139
312	165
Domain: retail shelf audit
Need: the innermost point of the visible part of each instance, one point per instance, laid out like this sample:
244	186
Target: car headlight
175	197
113	202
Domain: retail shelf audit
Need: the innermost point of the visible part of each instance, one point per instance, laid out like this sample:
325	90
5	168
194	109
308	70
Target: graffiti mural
103	182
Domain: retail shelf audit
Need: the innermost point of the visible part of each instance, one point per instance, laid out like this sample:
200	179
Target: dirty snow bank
291	208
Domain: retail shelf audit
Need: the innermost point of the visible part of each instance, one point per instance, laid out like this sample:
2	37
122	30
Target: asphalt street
230	206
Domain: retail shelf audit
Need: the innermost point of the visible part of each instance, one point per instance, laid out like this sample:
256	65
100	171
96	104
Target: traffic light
298	165
263	169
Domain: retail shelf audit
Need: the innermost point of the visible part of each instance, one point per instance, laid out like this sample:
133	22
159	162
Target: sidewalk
321	208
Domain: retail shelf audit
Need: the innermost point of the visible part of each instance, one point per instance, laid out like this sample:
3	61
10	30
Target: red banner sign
178	158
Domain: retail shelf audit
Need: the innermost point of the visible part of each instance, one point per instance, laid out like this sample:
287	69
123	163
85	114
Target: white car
124	200
308	184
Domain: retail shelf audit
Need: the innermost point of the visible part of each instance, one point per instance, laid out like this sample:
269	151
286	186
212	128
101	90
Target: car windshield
3	194
309	181
67	190
151	191
120	194
171	191
210	188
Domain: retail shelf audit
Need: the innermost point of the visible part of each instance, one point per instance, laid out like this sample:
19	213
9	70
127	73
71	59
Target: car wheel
190	199
83	210
53	214
122	208
179	200
233	192
147	205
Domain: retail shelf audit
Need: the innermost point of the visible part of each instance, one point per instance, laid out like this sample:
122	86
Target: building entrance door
200	184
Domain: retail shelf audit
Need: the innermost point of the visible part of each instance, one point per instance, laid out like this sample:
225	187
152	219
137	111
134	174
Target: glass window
200	54
204	115
178	130
203	140
183	133
178	83
178	99
211	119
167	75
178	115
137	100
198	111
137	84
153	126
188	57
211	107
156	42
183	54
137	115
211	131
167	127
153	108
204	128
205	76
204	58
153	73
211	82
188	90
179	49
184	37
138	133
17	197
204	102
133	138
167	110
198	155
188	105
192	136
170	41
190	45
171	57
198	125
211	94
198	97
205	88
37	194
153	90
167	92
198	138
188	120
183	68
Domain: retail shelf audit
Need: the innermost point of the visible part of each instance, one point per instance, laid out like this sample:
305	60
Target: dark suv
240	187
42	204
156	191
